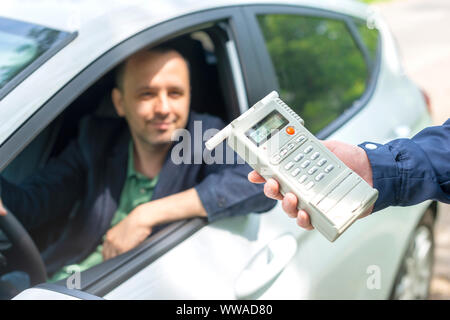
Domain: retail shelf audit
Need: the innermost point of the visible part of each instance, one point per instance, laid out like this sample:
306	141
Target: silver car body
228	257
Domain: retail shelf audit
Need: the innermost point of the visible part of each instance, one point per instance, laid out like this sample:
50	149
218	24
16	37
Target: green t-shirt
138	189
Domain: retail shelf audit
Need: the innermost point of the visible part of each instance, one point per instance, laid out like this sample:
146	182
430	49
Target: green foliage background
320	70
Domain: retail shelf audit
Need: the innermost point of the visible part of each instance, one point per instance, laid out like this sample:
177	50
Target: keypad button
289	165
321	162
290	146
308	149
305	164
283	152
309	185
276	159
295	172
312	170
290	130
320	176
315	155
303	178
300	139
299	157
329	168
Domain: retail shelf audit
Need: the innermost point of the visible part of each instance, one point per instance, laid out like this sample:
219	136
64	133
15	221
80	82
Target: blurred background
421	28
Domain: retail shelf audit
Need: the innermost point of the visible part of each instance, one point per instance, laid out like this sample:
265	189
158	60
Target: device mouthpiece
218	137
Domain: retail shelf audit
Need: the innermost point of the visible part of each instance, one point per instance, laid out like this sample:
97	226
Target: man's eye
175	94
147	94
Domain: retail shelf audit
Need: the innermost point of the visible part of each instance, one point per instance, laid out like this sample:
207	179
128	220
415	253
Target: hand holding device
271	138
353	156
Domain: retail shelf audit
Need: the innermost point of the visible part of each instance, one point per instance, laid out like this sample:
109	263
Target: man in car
122	174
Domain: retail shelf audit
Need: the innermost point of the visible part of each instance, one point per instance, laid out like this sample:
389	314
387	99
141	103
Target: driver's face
155	97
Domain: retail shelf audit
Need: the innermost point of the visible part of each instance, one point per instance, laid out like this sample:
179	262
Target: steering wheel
31	260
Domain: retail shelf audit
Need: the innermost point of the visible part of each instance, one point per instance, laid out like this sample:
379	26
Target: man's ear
117	99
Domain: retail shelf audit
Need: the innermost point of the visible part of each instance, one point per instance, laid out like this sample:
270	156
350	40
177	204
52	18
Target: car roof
101	25
74	15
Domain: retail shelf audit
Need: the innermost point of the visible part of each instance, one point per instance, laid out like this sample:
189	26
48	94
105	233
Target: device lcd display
265	128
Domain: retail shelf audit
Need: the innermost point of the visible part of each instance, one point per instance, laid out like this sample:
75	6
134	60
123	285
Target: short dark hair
163	48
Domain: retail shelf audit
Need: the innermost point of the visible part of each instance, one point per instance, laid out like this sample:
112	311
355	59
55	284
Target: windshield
23	43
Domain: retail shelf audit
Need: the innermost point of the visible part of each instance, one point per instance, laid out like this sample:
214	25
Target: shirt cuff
210	201
385	173
227	203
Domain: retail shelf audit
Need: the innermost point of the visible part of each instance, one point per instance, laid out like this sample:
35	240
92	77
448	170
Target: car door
267	255
212	261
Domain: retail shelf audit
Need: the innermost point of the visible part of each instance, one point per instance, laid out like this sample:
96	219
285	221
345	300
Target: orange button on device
290	130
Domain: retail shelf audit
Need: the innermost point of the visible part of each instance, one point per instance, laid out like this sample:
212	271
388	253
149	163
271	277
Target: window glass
21	43
319	68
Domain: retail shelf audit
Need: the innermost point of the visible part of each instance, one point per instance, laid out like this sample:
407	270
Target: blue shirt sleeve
410	171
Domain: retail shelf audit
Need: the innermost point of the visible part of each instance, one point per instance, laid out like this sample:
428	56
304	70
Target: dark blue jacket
409	171
91	171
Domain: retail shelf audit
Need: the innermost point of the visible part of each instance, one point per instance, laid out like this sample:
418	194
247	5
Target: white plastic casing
334	198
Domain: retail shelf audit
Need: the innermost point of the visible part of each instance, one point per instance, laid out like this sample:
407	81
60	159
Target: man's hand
353	156
137	226
127	234
2	209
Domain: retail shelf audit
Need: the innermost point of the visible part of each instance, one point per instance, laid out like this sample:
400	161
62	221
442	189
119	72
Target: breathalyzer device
272	139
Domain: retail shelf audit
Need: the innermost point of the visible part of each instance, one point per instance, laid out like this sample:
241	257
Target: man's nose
163	105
